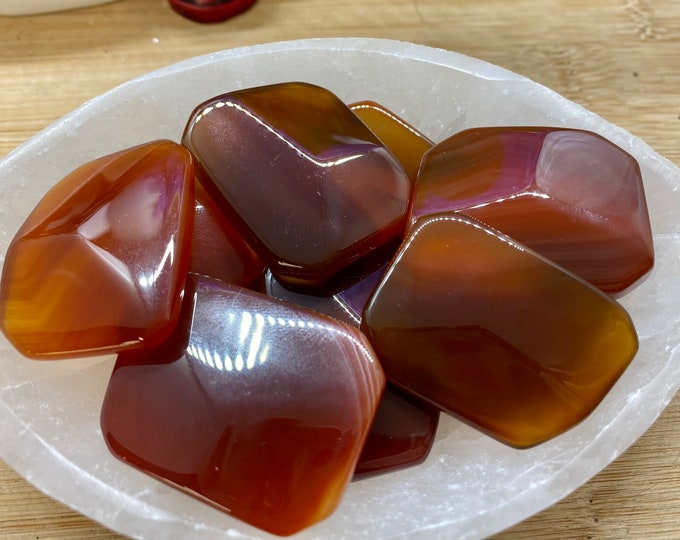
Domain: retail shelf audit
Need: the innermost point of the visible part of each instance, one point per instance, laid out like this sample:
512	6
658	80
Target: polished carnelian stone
255	405
331	305
401	436
99	265
404	427
571	195
217	248
489	330
308	184
404	141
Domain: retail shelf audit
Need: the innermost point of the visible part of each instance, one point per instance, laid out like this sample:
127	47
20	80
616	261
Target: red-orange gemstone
100	264
403	430
404	141
217	248
401	436
308	184
571	195
485	328
255	405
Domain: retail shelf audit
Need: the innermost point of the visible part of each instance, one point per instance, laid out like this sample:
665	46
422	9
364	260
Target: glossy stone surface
218	250
484	328
404	141
308	184
331	305
210	11
99	265
255	405
354	298
404	427
568	194
401	436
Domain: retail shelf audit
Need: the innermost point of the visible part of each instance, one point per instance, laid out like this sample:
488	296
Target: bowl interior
471	486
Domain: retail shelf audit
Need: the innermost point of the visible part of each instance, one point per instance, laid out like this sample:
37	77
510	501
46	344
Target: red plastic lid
209	11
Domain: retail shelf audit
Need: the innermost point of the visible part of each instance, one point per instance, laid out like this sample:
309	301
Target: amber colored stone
210	11
401	436
255	405
486	329
217	248
100	264
404	141
571	195
310	187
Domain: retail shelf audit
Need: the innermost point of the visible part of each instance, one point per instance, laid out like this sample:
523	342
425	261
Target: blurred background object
30	7
210	11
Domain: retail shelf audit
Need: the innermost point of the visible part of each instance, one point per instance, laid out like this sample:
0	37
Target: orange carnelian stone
401	435
404	141
218	250
569	194
310	187
255	405
487	329
404	427
100	264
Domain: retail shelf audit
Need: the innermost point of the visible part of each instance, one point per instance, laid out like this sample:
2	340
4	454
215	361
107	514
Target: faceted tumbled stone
404	427
100	264
309	185
484	328
354	298
331	305
401	436
404	141
571	195
255	405
217	248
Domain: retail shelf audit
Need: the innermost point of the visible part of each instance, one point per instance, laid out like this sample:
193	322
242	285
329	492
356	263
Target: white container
470	486
32	7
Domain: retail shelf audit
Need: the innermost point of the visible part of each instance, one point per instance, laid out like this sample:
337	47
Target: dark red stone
569	194
310	187
401	436
257	406
99	265
404	427
486	329
217	248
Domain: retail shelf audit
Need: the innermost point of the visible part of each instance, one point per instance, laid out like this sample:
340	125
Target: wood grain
618	58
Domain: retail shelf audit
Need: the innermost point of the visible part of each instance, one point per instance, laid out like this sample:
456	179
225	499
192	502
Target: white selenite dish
32	7
471	485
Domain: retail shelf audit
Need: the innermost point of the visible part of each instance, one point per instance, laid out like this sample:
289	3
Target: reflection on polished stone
99	266
486	329
401	435
404	141
403	430
260	407
568	194
331	306
218	250
308	184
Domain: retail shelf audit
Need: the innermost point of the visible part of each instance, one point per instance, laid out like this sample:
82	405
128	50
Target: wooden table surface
618	58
